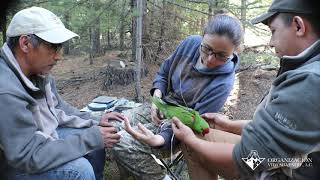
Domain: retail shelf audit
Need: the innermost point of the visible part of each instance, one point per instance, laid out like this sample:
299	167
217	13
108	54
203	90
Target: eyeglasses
36	41
208	51
56	47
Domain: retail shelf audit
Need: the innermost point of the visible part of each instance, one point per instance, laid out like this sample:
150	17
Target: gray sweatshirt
286	125
31	110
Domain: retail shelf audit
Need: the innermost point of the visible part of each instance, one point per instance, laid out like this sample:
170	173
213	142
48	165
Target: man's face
215	50
283	37
42	58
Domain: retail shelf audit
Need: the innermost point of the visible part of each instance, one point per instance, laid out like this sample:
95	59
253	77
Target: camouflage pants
133	158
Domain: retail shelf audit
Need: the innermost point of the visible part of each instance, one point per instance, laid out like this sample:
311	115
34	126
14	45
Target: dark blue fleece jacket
180	82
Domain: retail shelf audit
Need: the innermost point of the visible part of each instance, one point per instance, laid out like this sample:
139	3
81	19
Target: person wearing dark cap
41	136
283	139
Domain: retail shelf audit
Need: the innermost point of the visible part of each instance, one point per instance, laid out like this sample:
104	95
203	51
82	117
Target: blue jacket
180	82
204	90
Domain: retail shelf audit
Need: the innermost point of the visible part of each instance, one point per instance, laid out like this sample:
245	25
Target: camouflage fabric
133	158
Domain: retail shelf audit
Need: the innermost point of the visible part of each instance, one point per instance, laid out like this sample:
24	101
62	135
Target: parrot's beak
205	131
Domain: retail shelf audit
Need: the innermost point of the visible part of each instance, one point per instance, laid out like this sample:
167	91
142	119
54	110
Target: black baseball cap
287	6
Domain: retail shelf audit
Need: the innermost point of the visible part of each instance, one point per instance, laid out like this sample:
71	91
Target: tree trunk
139	51
152	17
96	47
109	39
243	13
210	8
133	31
122	25
90	50
95	31
145	24
162	29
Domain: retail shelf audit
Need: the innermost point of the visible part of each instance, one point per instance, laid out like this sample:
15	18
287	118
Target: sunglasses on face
209	52
36	40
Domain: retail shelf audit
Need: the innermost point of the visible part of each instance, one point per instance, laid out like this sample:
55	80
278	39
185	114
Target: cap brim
57	36
263	18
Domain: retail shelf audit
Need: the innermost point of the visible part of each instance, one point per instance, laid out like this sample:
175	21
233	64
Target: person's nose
57	56
212	56
271	42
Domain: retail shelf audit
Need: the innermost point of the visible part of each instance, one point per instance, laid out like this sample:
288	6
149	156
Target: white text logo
253	160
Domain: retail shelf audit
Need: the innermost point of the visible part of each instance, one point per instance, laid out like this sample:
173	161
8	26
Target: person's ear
299	25
24	43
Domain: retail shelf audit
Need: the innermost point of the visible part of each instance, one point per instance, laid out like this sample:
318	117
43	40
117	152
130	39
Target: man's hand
222	122
107	130
181	131
217	121
143	135
111	116
109	135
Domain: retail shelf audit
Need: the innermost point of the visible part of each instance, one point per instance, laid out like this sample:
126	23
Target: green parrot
189	117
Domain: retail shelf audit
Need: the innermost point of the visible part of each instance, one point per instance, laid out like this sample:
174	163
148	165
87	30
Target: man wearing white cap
41	136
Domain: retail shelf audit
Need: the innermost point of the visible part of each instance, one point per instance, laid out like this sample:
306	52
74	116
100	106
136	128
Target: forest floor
79	82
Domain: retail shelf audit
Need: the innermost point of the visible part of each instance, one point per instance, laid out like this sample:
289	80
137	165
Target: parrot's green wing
187	116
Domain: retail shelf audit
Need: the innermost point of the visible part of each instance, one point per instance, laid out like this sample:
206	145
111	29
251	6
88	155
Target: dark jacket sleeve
167	134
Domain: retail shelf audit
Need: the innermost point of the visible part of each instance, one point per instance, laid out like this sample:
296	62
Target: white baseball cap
41	22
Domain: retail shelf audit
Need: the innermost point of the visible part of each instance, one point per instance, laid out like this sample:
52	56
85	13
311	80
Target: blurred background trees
111	24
